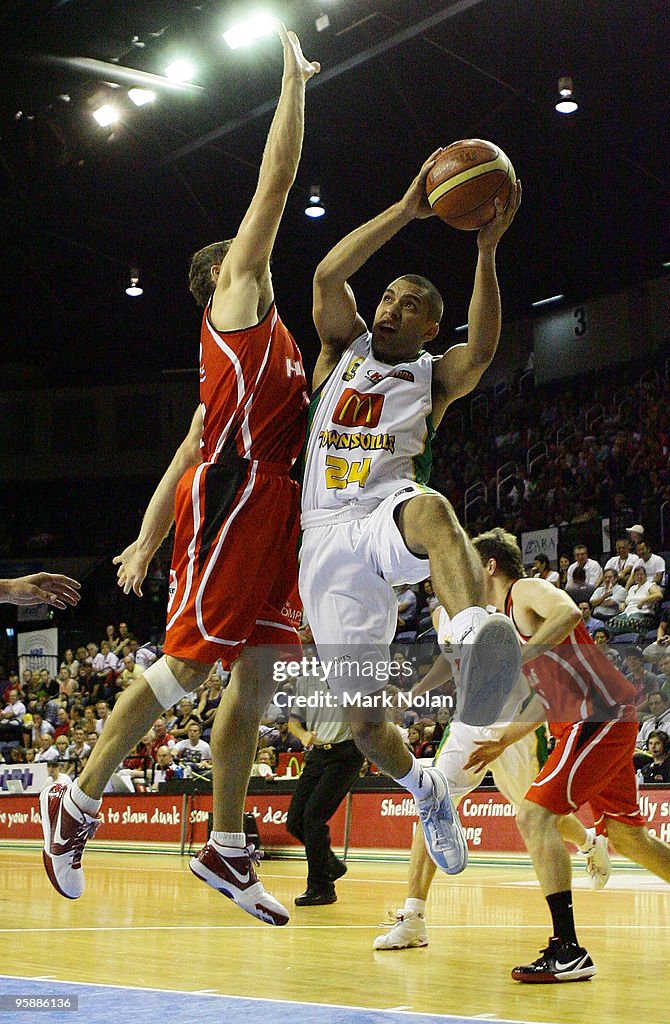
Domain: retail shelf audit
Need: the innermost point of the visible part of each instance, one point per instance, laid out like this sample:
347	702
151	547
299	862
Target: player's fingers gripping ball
466	179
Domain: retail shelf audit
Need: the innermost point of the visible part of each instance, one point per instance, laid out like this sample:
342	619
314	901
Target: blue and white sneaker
442	829
489	669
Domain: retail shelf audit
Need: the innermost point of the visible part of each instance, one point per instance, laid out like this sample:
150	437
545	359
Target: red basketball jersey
576	681
253	391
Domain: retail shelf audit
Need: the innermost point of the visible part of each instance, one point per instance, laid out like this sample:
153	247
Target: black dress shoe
336	868
316	898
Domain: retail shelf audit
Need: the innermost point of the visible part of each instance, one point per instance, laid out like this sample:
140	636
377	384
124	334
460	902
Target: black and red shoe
560	961
232	873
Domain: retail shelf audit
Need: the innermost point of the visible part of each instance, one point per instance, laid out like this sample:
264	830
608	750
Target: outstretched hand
489	236
415	202
133	566
294	60
484	753
41	588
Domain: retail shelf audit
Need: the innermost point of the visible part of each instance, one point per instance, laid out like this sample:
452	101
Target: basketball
464	181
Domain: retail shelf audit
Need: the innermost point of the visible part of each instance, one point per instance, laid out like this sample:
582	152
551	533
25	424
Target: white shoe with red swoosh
233	874
65	836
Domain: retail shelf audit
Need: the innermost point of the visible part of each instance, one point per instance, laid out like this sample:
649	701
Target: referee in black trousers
331	767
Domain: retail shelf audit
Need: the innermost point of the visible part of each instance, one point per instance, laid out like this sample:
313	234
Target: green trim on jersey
422	464
445	737
542	745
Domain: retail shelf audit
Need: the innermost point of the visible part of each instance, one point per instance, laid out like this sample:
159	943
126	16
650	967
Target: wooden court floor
145	921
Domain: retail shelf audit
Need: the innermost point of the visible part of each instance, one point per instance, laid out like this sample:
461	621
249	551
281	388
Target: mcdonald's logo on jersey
357	410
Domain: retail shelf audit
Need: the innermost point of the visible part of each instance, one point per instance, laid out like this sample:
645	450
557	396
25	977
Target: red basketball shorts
592	763
234	575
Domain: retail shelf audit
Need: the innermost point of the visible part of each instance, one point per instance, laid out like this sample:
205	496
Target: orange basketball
464	181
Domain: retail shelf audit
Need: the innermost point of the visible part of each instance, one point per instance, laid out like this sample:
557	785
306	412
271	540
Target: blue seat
625	638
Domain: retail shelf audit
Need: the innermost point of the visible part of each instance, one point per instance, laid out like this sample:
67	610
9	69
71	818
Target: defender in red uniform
233	581
588	704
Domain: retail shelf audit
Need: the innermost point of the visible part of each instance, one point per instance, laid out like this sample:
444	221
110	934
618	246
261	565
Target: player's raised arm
460	369
556	613
244	287
134	561
334	309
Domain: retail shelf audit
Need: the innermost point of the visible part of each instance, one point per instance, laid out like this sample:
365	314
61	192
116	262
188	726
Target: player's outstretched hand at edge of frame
415	202
294	60
133	566
41	588
485	752
489	236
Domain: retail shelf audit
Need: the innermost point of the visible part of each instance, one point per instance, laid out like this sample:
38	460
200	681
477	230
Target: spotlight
566	104
315	207
133	288
106	115
242	33
180	71
460	328
322	23
547	302
141	96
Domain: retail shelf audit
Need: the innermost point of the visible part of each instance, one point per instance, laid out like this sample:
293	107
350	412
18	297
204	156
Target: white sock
413	906
466	623
80	800
417	781
230	840
589	842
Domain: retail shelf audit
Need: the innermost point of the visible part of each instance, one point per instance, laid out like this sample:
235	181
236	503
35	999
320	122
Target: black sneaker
316	898
560	961
336	867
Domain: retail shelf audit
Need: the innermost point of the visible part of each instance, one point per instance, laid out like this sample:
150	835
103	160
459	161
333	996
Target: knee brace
165	686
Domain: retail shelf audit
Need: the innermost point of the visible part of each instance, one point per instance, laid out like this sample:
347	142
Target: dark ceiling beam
416	29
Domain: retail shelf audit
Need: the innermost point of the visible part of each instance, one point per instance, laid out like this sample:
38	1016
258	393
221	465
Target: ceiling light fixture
180	71
141	96
458	330
566	103
315	207
243	33
133	288
106	115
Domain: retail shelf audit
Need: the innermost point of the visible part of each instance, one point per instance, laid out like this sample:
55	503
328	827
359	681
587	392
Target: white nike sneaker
598	863
489	668
442	830
408	931
233	874
65	836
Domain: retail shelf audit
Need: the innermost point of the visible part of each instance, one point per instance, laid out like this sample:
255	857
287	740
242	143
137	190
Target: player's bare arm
134	561
243	291
40	588
461	368
545	613
334	309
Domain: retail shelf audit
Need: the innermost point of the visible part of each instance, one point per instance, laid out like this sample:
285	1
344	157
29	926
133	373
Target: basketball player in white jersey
514	750
369	522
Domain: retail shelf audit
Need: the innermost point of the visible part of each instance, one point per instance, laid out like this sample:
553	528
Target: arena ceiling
80	204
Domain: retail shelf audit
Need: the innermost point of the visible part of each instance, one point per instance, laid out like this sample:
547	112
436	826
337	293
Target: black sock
560	905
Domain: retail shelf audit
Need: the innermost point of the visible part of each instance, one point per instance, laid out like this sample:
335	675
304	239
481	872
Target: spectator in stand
636	534
78	749
592	570
62	743
105	668
70	662
284	742
185	715
622	563
56	773
46	749
637	613
264	764
163	766
406	608
658	770
92	737
11	718
654	652
542	568
67	684
607	599
210	699
653	565
646	683
40	728
84	680
162	738
601	635
89	718
125	637
429	603
131	671
563	566
112	638
659	718
194	750
103	712
415	738
62	726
